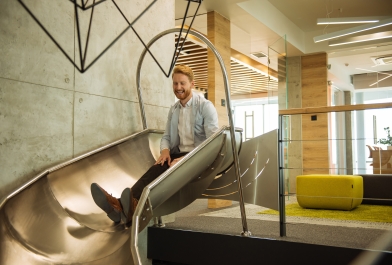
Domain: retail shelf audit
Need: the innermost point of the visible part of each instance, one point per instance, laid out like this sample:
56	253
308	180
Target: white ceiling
258	24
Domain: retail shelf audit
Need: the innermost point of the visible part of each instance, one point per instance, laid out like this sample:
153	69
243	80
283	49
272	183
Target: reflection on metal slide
54	220
259	174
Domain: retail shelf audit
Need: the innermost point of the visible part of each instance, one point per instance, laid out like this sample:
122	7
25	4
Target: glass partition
277	67
277	54
363	191
373	127
257	113
253	115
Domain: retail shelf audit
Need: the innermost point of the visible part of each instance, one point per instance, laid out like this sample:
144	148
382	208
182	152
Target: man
191	120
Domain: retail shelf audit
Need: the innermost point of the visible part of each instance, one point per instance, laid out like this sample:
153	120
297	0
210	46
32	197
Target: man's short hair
185	70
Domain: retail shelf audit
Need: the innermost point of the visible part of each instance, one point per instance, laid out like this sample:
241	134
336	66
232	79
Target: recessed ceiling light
382	79
347	20
363	38
353	30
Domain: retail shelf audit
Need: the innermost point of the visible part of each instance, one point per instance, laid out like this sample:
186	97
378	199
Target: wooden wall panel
218	32
315	132
314	80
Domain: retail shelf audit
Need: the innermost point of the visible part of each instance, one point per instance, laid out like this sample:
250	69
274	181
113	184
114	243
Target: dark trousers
151	174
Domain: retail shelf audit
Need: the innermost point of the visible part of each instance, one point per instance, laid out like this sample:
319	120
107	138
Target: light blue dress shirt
204	120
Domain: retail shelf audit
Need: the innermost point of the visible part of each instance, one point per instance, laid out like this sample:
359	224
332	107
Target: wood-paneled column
315	126
218	32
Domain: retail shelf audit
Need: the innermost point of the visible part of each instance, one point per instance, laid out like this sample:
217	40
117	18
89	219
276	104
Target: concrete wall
294	148
49	111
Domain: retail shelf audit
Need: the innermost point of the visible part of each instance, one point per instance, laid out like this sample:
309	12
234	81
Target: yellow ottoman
337	192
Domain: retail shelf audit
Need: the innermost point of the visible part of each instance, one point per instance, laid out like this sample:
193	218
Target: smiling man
191	120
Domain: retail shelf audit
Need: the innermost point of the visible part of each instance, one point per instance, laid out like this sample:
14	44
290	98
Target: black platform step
174	247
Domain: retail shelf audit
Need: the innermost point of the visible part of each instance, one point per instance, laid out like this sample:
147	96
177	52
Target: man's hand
165	156
175	161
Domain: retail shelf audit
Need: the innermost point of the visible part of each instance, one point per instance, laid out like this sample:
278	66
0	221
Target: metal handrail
341	108
245	232
145	197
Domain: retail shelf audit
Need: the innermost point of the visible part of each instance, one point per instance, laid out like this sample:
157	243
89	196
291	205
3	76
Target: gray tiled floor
308	230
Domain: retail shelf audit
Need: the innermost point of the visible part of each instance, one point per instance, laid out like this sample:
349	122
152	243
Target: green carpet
364	212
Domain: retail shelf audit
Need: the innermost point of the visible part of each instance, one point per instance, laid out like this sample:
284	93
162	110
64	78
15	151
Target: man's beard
183	95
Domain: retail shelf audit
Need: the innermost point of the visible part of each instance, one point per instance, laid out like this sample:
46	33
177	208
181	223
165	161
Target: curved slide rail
54	220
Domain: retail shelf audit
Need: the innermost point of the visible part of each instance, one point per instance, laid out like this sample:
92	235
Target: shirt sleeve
210	117
165	141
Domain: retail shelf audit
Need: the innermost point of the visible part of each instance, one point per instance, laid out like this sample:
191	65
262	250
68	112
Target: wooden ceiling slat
252	86
247	75
188	44
186	52
199	66
241	73
243	79
248	83
247	78
244	70
197	58
193	58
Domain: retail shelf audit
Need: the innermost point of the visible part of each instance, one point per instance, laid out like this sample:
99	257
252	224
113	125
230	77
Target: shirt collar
188	104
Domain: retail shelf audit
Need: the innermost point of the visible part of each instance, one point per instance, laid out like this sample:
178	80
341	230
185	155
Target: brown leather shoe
129	204
109	204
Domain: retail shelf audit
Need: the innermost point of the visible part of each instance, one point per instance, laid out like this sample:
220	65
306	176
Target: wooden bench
337	192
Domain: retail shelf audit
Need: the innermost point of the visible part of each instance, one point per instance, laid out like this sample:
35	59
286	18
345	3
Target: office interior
69	78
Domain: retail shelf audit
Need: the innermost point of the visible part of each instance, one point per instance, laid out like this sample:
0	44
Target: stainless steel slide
53	219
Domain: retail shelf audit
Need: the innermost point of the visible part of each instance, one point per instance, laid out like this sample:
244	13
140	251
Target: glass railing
338	175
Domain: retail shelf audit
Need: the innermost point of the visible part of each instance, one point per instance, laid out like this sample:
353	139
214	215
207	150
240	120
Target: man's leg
109	204
151	174
131	196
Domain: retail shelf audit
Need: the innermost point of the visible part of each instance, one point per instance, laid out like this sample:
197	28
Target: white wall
49	111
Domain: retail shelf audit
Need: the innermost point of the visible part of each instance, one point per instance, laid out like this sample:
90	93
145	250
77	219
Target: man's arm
165	141
210	117
165	156
175	161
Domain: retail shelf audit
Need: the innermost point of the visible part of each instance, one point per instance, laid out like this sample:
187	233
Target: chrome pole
245	231
139	91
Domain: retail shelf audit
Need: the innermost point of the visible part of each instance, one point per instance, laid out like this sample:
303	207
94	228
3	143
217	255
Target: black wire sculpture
85	5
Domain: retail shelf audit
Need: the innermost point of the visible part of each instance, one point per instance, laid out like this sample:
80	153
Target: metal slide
54	220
